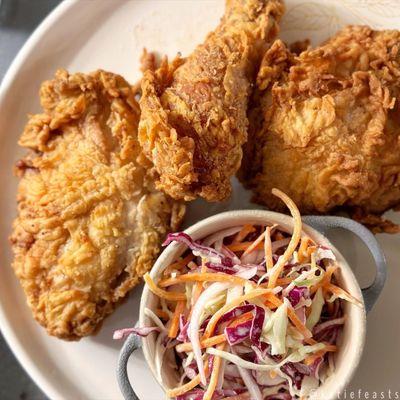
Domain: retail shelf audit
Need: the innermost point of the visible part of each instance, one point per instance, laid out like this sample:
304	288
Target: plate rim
26	361
43	381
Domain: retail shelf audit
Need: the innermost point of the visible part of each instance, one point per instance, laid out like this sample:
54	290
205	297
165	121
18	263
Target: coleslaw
249	312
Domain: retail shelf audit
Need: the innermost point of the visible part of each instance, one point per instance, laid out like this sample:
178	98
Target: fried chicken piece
89	221
193	120
329	135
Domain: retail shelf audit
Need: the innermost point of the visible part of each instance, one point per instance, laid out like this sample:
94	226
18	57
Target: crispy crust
193	120
330	135
89	221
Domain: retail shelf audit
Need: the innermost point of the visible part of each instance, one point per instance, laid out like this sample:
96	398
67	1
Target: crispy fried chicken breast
193	120
89	221
325	126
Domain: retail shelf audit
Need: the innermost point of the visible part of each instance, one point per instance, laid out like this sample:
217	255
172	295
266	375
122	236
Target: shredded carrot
248	228
173	329
214	340
307	311
173	296
339	292
258	242
178	391
178	264
285	281
330	347
244	246
215	318
294	240
292	316
198	287
268	248
273	374
302	252
326	279
214	375
161	313
280	282
270	305
311	358
298	324
243	318
203	277
215	277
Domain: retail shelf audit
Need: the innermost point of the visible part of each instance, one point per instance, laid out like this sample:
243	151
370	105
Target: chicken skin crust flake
193	122
89	221
329	131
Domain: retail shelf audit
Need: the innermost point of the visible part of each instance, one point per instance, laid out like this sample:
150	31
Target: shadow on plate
125	316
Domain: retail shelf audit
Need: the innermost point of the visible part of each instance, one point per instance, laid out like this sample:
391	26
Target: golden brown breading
331	126
193	120
89	222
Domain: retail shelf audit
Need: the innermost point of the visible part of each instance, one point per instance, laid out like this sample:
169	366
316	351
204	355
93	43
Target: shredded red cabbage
191	370
234	313
197	248
329	335
296	294
250	329
230	254
314	367
256	326
302	368
239	333
205	323
221	268
296	376
183	329
327	325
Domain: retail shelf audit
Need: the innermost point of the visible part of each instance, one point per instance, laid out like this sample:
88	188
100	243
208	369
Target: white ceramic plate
89	34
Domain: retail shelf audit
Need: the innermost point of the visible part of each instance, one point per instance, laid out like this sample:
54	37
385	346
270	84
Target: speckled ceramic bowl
352	339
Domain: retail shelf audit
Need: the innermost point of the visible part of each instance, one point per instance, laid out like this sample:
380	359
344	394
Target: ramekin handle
132	343
324	224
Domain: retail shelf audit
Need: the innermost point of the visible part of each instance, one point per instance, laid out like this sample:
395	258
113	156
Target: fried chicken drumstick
89	222
193	120
329	135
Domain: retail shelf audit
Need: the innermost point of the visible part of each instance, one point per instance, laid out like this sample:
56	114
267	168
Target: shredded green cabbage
316	309
274	330
214	305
